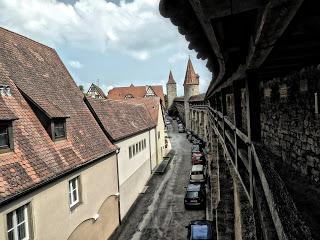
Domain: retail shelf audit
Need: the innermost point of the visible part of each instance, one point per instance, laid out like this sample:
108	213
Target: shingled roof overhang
236	36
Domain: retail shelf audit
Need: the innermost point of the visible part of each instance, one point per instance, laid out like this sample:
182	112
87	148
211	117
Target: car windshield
201	232
192	194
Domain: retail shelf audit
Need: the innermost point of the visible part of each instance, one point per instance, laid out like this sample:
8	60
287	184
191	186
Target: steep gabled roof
171	79
96	88
152	105
40	82
121	119
191	78
119	93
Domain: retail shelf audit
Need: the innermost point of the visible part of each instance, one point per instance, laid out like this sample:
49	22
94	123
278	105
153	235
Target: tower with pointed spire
171	90
191	88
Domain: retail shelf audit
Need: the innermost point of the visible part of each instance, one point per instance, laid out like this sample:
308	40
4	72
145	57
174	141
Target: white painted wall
51	216
134	172
160	141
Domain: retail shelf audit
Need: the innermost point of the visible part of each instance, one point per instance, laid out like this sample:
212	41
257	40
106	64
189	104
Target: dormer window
6	142
58	129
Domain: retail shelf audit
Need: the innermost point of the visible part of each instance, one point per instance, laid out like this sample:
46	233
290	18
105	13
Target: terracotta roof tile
5	112
121	119
178	99
119	93
152	104
35	74
191	78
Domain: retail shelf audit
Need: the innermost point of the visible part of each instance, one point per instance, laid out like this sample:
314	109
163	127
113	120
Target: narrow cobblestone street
160	212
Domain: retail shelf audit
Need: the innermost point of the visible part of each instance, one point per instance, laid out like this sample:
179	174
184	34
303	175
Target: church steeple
191	78
171	79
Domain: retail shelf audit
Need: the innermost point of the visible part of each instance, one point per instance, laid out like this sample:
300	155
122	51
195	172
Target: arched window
128	96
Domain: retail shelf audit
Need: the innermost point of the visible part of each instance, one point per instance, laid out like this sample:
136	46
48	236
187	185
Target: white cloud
134	28
75	64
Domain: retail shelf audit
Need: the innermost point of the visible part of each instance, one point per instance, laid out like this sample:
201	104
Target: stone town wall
290	128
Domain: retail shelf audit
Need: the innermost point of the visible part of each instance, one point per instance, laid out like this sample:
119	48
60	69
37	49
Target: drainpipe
118	183
150	151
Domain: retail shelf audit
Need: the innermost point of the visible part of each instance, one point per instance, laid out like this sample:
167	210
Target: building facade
130	127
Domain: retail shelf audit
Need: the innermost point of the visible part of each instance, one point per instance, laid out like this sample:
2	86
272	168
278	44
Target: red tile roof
119	93
152	104
121	119
191	78
5	112
37	77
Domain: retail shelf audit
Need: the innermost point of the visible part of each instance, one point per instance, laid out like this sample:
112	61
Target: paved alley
160	213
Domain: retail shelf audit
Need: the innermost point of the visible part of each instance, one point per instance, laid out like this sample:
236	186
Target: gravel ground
160	213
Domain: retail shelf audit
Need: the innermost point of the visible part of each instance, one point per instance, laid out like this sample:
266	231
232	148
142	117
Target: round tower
191	88
171	90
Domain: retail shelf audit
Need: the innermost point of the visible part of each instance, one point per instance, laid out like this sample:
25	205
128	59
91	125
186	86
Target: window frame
74	203
27	221
8	126
53	128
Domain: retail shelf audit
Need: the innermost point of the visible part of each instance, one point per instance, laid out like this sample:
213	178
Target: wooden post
237	115
253	118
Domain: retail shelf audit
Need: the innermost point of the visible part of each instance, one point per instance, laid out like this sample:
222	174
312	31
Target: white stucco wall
51	216
160	141
134	172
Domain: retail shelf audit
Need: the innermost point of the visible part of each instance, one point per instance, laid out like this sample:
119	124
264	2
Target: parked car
181	128
200	229
198	174
195	149
195	196
198	158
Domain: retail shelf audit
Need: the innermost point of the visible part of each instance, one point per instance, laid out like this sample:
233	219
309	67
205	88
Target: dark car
195	196
200	229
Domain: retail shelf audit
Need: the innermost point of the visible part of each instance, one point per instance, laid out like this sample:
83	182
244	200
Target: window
74	196
158	135
59	129
18	224
130	152
139	146
144	142
4	137
6	143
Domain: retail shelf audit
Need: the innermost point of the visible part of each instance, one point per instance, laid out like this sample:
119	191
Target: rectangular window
74	196
144	142
4	136
139	146
18	225
158	135
59	130
134	150
130	152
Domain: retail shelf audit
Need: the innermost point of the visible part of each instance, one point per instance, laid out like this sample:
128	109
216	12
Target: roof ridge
27	38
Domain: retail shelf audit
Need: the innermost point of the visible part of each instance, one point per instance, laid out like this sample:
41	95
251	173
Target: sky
113	43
